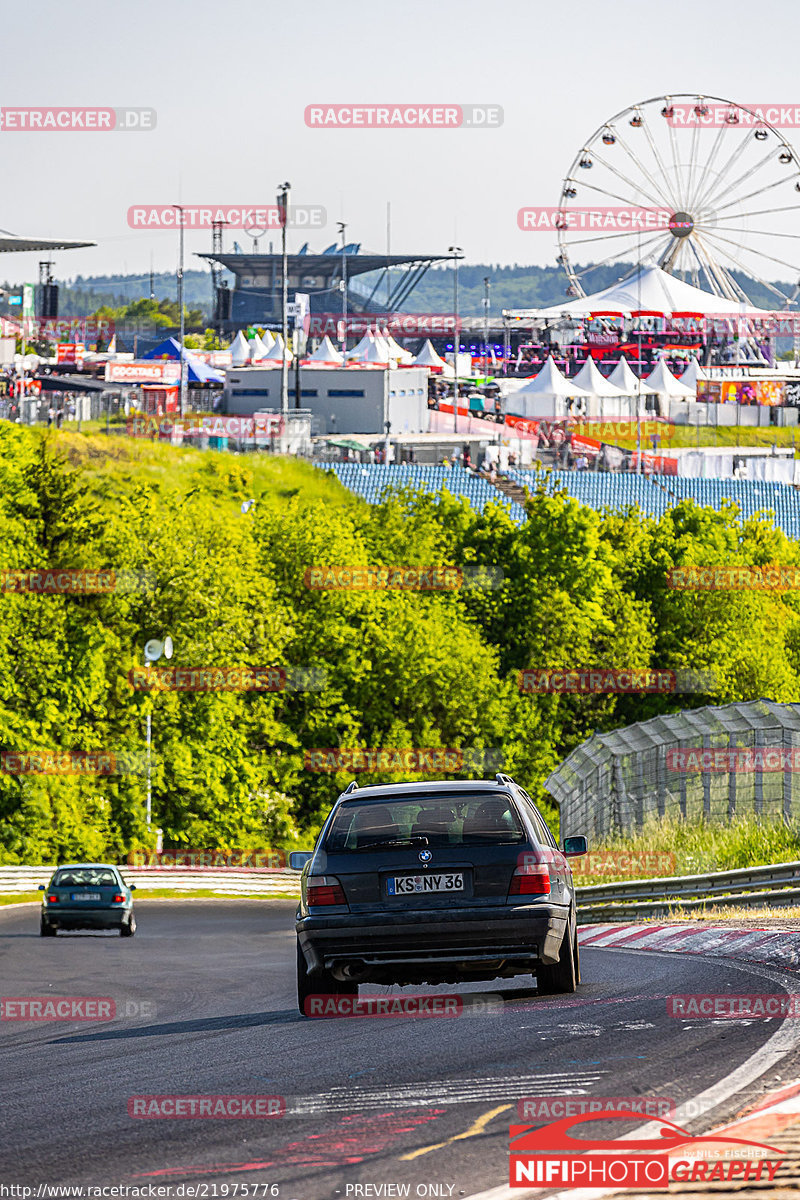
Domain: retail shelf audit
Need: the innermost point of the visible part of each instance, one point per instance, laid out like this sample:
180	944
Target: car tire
46	929
560	978
321	982
129	929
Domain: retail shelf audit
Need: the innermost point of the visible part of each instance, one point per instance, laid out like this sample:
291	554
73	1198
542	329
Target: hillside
369	669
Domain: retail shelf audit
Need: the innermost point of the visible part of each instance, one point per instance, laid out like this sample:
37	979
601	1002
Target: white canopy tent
258	349
326	353
648	288
545	396
277	352
590	378
427	357
361	348
396	350
692	374
383	342
240	350
623	377
377	352
662	381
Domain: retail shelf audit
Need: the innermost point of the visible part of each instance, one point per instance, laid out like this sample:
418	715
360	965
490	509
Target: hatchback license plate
86	896
410	885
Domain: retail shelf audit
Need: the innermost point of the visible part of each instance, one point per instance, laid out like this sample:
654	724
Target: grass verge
696	848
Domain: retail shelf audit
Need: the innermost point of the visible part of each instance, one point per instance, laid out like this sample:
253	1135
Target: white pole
183	322
149	791
284	204
455	251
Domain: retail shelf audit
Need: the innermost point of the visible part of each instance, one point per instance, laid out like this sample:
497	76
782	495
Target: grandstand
654	495
371	480
597	490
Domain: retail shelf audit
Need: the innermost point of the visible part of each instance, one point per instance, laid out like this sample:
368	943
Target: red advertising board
70	352
164	371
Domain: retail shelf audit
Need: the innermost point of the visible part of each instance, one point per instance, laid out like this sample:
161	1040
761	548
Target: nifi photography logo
550	1156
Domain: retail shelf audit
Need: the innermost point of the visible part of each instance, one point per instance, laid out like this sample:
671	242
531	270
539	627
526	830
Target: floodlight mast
153	651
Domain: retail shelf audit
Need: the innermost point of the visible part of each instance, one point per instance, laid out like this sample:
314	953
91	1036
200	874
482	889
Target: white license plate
86	896
411	885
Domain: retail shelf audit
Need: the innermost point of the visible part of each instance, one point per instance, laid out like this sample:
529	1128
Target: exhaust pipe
354	972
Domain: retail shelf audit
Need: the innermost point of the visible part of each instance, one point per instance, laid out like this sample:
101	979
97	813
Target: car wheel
46	929
560	978
320	983
128	930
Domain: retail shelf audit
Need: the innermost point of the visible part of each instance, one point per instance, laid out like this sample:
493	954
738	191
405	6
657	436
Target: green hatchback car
87	896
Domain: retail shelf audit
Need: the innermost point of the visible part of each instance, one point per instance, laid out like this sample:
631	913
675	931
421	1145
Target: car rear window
85	877
451	820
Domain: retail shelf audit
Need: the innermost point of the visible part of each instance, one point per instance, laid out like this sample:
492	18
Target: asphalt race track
206	1006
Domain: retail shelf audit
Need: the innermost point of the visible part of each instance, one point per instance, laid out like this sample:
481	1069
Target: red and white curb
774	947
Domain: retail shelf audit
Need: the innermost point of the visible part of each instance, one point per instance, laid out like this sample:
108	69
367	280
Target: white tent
662	380
590	378
240	350
545	395
326	353
623	377
361	348
278	352
258	349
648	288
382	341
396	350
549	381
378	352
692	373
268	339
428	357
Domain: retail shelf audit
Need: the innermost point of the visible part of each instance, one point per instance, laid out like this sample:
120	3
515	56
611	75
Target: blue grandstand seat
615	492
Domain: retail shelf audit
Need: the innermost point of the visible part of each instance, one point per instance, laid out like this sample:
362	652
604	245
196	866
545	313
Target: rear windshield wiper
417	840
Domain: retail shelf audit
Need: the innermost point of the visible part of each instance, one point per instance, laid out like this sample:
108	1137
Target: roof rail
351	787
500	777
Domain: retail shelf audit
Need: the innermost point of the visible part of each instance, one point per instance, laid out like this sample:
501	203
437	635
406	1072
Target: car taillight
52	899
324	889
119	898
530	879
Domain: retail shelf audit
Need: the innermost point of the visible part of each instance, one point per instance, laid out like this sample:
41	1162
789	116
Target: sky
230	84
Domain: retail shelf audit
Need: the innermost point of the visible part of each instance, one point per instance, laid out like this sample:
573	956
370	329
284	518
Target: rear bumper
87	918
529	933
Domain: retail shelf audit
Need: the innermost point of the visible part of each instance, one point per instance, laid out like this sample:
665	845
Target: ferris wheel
724	182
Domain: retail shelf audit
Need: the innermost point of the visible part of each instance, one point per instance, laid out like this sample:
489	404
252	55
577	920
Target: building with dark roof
255	298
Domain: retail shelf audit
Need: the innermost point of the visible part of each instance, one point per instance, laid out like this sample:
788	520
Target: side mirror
574	846
132	887
42	888
299	858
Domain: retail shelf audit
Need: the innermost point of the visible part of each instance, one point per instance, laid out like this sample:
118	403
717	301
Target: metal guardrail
776	885
227	881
